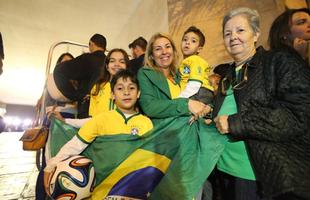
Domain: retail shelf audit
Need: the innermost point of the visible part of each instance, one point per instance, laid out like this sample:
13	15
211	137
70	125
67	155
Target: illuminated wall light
16	121
27	122
8	120
2	111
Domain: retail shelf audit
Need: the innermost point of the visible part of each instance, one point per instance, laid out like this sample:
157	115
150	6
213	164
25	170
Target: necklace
237	64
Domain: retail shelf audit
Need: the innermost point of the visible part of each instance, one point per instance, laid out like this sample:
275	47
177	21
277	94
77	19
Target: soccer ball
73	179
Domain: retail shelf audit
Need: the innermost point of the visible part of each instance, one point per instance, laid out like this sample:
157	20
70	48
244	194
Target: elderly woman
160	86
292	29
263	106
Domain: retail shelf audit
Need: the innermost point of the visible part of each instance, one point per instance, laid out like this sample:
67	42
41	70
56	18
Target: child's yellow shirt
114	122
195	68
101	102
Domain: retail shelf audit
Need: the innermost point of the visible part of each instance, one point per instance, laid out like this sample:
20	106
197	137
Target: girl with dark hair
292	29
100	100
64	57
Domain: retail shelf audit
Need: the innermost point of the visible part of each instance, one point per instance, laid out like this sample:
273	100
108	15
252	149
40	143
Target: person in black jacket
85	69
263	107
1	54
138	48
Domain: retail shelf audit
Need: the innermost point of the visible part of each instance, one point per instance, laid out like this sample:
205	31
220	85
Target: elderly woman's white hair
251	14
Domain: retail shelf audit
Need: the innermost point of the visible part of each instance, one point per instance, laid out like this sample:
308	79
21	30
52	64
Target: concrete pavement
18	172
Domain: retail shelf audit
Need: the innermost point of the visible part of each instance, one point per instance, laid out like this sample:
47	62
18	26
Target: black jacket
273	120
136	63
85	69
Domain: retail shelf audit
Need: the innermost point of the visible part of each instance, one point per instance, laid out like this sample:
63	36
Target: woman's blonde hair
149	58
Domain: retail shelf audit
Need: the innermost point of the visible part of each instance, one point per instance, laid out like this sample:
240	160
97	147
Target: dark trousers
204	95
228	187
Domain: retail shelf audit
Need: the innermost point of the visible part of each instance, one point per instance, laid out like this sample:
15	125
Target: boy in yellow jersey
194	70
124	120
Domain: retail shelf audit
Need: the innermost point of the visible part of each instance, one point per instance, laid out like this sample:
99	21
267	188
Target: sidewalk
18	172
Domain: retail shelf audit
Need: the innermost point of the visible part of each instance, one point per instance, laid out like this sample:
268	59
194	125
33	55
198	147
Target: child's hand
196	108
57	115
208	121
191	120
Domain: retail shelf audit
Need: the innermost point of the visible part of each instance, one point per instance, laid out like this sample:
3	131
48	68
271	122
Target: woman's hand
301	46
46	179
196	108
221	123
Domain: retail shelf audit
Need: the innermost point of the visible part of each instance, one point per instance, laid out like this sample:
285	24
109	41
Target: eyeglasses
236	85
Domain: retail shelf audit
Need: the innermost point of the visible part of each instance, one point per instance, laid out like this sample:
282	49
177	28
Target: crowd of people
260	101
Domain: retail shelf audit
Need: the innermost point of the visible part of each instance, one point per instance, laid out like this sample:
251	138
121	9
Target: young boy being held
124	120
194	70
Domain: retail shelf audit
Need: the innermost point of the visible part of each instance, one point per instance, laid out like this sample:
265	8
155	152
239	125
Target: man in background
138	48
85	70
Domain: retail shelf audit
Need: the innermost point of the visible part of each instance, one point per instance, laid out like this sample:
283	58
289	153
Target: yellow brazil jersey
174	89
114	122
195	68
101	102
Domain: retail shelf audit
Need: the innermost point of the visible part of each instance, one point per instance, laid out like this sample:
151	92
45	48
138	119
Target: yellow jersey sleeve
195	68
199	68
92	128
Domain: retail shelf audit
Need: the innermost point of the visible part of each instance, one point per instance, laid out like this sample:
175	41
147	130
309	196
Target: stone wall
208	14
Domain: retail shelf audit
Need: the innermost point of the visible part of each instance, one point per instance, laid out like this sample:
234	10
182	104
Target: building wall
208	14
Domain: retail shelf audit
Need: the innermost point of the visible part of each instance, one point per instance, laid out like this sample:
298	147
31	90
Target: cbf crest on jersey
186	70
134	131
199	70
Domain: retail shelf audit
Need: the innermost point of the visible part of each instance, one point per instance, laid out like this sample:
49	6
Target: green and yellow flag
172	161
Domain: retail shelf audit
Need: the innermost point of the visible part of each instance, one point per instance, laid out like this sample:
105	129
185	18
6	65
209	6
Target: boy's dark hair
198	32
124	74
140	41
99	40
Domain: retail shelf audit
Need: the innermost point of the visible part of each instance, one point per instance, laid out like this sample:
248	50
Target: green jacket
155	99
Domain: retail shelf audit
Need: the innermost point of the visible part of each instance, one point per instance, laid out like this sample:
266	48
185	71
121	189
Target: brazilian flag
172	161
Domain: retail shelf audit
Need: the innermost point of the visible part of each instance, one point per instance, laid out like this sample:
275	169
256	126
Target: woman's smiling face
162	52
239	38
116	62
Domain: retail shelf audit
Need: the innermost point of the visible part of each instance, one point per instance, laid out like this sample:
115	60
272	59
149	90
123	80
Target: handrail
50	53
47	72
